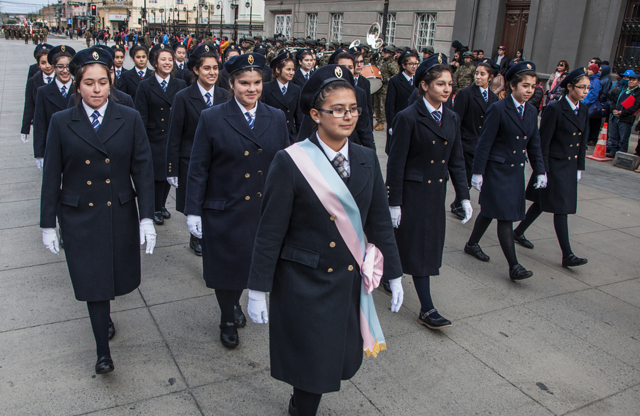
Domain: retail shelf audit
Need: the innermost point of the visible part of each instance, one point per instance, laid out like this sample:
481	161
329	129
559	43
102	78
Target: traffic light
94	10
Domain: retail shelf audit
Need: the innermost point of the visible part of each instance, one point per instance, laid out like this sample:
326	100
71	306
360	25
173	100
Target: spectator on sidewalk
554	81
623	109
592	97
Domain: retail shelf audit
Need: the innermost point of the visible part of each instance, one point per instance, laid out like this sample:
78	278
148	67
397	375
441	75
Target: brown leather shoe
379	127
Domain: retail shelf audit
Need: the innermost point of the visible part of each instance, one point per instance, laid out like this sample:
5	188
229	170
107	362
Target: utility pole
385	12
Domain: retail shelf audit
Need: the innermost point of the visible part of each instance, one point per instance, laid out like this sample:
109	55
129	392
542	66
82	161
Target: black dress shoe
195	245
292	408
522	240
385	287
238	317
104	365
112	330
165	213
424	318
573	261
158	219
229	340
476	252
518	272
456	209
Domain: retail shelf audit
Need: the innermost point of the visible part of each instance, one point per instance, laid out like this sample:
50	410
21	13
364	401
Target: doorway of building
514	29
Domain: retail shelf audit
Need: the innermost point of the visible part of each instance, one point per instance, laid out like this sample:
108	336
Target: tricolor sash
338	201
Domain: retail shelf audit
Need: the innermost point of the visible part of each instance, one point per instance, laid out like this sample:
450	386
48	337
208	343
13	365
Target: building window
179	1
390	35
336	27
425	30
153	1
312	25
283	25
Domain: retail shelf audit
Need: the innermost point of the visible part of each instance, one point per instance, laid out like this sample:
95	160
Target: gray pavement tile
19	214
543	227
616	244
624	403
22	175
176	404
426	373
548	363
586	192
628	291
22	247
53	373
634	231
17	161
12	192
611	212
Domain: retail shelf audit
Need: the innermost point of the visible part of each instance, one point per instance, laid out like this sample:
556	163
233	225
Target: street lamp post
234	6
249	5
195	10
187	13
219	7
162	18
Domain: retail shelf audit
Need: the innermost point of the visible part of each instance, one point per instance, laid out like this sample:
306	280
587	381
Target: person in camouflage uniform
88	37
465	75
147	40
45	33
26	36
388	68
276	50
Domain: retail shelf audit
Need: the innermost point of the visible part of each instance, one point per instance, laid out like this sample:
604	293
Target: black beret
519	67
573	75
93	55
303	52
284	54
59	49
177	45
41	47
319	79
334	55
137	47
355	50
232	48
427	64
117	48
197	53
161	47
245	61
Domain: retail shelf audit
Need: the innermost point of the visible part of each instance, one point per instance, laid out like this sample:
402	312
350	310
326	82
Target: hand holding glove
24	138
50	240
468	211
173	181
257	307
579	175
541	182
194	222
396	214
476	181
148	233
397	294
39	163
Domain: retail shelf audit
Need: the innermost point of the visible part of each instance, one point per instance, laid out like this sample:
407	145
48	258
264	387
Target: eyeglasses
359	62
583	87
341	112
411	64
62	67
560	64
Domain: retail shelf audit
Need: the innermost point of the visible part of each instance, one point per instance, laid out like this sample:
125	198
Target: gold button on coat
107	160
108	203
259	151
350	268
90	204
88	182
432	161
259	194
246	153
443	161
332	244
259	173
446	142
247	197
429	181
108	180
440	180
246	175
332	218
330	270
87	162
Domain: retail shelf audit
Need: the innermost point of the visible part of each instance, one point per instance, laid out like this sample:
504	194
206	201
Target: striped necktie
118	73
63	91
411	81
306	76
437	116
163	84
338	164
250	119
485	95
141	74
521	110
284	90
208	96
49	80
180	66
96	120
575	110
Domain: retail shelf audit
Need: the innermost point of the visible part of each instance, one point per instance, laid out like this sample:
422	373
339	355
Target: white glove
257	307
468	211
50	240
397	294
194	222
390	132
148	232
476	181
173	181
396	214
24	138
541	182
39	163
579	175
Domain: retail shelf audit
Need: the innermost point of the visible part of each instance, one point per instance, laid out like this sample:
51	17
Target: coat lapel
360	170
196	99
405	84
262	120
277	94
111	123
157	89
427	119
55	96
172	88
513	113
81	126
478	97
238	121
570	115
220	95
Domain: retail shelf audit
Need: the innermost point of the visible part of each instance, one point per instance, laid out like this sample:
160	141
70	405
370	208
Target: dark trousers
161	194
594	129
227	299
619	133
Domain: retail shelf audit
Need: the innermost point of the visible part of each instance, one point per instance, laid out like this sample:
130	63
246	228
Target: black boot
165	213
195	245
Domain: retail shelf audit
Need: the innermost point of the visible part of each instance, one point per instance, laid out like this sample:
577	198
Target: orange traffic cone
601	148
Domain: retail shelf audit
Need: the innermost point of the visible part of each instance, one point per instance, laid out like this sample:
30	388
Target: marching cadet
388	68
266	71
118	62
471	105
26	37
52	98
509	136
130	80
360	81
399	90
563	133
187	106
309	253
88	36
233	147
306	60
282	94
425	153
464	75
180	49
42	48
154	100
229	52
43	76
101	152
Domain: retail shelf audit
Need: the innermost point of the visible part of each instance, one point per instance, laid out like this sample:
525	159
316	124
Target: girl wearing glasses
309	251
52	98
399	90
425	153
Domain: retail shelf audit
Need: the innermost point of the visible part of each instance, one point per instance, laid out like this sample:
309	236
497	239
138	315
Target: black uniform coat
154	105
98	214
30	93
223	78
314	328
129	81
502	151
362	134
227	171
365	84
181	73
422	158
118	97
33	69
298	79
49	100
471	108
398	92
563	137
184	117
272	95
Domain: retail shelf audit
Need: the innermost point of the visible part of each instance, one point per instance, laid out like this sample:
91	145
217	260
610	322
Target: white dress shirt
203	92
409	79
283	85
60	84
45	76
90	111
160	79
431	108
573	106
331	154
244	110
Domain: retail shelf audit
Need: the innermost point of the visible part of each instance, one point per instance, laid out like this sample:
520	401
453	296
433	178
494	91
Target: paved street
563	342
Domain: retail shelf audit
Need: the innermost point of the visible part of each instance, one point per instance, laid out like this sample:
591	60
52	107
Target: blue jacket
594	92
605	82
165	39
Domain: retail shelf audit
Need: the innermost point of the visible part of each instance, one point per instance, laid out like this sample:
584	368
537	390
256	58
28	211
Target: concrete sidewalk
563	342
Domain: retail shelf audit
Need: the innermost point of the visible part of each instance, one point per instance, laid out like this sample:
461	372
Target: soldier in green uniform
45	33
26	36
465	75
275	50
388	68
88	36
147	40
